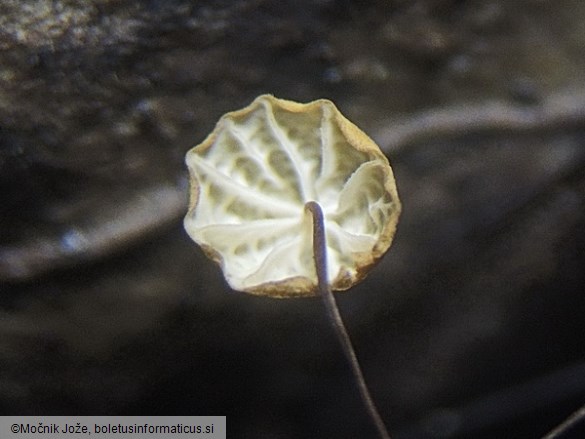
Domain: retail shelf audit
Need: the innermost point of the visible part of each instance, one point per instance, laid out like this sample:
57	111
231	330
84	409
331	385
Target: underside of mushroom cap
250	181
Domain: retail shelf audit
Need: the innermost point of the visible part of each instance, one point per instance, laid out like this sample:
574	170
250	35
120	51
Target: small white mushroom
282	195
252	177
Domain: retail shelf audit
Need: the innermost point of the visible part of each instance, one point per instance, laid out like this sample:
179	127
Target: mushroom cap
251	178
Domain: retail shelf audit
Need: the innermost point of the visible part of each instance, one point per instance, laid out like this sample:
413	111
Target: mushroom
293	200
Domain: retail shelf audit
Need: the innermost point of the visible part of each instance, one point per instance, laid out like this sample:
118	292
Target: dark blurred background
472	325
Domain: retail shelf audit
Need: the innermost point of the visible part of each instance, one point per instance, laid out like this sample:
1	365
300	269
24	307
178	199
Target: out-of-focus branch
107	232
558	110
567	424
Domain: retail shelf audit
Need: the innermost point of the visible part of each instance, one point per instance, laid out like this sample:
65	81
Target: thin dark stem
320	255
567	424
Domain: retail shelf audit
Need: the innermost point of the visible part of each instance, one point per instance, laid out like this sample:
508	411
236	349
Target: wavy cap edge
301	286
